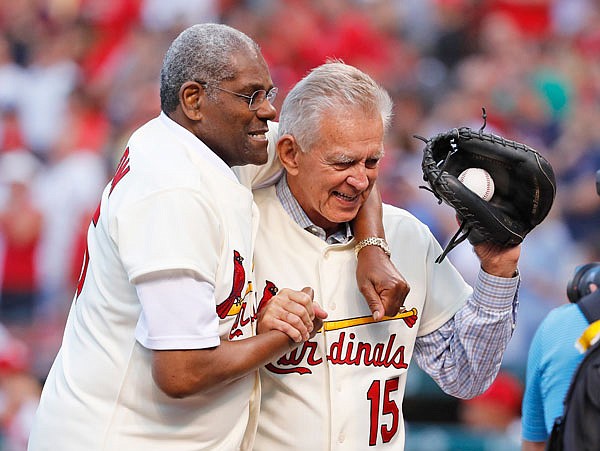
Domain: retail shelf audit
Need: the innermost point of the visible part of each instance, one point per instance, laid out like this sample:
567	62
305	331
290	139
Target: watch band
373	241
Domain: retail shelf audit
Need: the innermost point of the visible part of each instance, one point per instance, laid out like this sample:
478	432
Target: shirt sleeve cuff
496	293
171	343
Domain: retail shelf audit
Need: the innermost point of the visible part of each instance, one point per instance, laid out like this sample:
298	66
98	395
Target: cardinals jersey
172	205
343	389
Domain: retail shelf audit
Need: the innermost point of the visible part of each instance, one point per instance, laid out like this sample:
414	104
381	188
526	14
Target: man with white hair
343	388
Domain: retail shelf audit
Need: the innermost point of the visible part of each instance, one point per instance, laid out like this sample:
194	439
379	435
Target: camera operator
553	356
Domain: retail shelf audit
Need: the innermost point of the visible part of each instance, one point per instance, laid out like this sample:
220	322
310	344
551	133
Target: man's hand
378	280
497	260
380	283
293	313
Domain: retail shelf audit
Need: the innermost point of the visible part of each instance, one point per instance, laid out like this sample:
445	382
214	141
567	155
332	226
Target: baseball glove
524	181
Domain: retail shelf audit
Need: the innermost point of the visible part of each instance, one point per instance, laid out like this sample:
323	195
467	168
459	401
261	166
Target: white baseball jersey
172	206
343	389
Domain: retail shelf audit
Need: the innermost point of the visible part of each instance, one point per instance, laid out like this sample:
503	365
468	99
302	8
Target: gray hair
330	86
201	52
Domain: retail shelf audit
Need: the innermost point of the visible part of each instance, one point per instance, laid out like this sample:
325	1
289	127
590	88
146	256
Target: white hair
330	86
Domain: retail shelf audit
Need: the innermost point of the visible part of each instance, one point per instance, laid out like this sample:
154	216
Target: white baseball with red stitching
479	181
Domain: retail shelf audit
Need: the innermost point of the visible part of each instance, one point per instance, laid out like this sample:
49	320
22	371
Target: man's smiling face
333	179
228	126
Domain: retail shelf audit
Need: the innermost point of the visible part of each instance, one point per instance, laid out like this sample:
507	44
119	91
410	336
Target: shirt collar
293	208
193	142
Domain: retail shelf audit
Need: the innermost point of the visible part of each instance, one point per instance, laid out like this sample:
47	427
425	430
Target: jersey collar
198	146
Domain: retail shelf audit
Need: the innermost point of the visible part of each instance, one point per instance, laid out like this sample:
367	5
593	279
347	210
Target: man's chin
256	156
344	217
260	161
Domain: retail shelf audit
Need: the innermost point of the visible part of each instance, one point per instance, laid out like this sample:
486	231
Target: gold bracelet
373	241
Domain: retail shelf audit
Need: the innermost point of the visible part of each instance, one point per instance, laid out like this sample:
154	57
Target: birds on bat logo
232	305
408	316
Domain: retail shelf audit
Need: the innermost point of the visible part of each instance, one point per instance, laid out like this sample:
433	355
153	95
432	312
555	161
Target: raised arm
382	286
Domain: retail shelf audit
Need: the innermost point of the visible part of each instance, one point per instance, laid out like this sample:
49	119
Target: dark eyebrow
254	86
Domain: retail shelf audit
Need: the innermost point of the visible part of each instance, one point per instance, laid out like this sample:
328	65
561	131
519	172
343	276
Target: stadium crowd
77	76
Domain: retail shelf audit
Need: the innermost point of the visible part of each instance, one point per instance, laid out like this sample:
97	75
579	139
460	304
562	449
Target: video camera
579	285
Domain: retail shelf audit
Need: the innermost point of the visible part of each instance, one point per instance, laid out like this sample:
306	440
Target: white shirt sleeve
177	313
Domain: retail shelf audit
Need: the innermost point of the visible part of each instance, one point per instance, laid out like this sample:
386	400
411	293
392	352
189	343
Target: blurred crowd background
78	76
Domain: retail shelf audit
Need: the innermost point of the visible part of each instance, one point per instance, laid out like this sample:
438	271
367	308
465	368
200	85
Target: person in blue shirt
551	363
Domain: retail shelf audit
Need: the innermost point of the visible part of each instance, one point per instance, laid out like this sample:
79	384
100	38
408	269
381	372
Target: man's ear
288	151
191	98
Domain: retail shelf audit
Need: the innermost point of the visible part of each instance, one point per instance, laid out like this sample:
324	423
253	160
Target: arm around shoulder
378	279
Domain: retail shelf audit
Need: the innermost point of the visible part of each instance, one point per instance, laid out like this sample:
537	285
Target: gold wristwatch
373	241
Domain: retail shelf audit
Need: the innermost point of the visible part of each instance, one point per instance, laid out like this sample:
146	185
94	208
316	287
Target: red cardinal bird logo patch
231	306
269	291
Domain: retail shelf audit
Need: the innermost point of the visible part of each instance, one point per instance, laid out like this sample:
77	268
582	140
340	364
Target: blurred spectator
498	409
532	17
107	24
398	180
67	191
158	15
11	76
129	93
576	159
19	393
570	16
44	92
453	41
489	422
20	228
11	131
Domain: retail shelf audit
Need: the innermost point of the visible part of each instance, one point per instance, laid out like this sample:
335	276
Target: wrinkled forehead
250	69
355	121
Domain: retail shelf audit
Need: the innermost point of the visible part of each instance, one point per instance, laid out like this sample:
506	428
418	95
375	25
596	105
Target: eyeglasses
254	101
